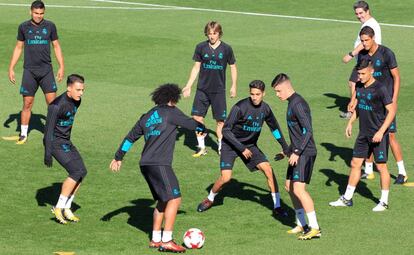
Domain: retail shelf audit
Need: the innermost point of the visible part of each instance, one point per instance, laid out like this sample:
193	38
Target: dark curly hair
166	93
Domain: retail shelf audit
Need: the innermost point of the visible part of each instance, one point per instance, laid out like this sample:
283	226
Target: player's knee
225	178
355	163
27	106
382	167
392	137
287	188
298	193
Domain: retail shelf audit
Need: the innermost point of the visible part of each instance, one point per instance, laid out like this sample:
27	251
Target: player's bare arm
233	89
59	57
348	130
349	56
193	75
395	72
15	57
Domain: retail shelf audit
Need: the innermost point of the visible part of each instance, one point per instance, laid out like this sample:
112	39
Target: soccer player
240	134
376	112
35	36
302	155
211	58
386	71
159	129
60	118
363	14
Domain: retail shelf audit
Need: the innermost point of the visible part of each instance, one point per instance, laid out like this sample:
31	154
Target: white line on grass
94	7
247	13
171	7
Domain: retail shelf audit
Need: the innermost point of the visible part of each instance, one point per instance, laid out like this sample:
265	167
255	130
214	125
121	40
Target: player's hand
279	156
233	91
247	153
12	77
377	137
348	131
346	58
48	161
60	74
115	165
293	159
186	91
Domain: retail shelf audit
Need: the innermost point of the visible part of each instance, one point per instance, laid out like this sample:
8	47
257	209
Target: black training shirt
299	122
60	116
383	60
371	107
37	40
212	76
245	121
159	128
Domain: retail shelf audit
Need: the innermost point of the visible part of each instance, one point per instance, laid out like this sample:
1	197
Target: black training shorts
364	147
228	155
302	171
203	100
162	182
68	156
33	78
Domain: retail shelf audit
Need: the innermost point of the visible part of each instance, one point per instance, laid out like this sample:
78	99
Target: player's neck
35	23
215	45
369	82
373	49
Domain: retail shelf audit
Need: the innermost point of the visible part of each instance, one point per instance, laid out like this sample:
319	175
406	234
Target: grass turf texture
124	54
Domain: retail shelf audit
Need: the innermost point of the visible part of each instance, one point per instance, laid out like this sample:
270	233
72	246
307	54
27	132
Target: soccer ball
194	238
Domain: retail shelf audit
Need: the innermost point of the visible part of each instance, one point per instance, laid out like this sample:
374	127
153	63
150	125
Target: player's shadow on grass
248	192
342	181
48	196
140	214
343	153
190	139
37	122
340	102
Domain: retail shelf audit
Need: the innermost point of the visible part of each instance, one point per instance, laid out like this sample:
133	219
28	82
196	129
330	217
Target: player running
159	129
210	61
376	112
35	36
60	118
302	154
240	134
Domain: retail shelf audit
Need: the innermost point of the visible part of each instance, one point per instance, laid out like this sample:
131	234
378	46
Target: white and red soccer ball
194	238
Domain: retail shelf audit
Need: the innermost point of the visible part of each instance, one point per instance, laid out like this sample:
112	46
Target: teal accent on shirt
126	146
276	134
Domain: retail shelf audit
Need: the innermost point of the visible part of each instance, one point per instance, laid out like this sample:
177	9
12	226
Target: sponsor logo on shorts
296	176
23	90
66	147
176	192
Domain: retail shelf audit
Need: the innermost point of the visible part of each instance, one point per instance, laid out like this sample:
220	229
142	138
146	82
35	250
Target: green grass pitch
124	53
